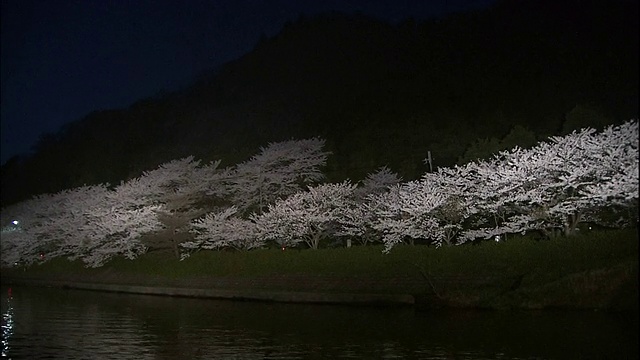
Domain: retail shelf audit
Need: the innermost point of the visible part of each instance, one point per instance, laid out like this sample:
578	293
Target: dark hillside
380	94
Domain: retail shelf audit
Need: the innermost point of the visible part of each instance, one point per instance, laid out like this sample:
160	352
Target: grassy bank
596	270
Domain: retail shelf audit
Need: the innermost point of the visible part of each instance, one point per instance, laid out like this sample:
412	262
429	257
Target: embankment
598	270
612	288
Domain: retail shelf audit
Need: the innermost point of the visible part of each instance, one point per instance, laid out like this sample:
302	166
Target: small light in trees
497	238
15	222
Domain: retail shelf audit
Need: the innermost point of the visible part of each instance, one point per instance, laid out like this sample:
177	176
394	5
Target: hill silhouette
379	93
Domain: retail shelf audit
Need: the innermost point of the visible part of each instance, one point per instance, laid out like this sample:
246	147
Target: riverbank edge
607	289
231	294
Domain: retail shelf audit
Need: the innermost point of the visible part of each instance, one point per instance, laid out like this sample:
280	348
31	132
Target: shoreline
611	289
231	294
597	271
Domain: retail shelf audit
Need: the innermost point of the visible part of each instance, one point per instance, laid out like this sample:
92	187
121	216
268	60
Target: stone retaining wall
232	294
303	288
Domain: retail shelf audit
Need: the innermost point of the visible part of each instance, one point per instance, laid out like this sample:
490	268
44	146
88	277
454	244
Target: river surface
53	323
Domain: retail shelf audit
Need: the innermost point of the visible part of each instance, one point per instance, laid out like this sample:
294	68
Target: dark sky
63	59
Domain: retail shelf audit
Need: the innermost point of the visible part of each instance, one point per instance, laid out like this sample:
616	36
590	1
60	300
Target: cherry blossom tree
66	221
496	197
95	223
91	223
98	224
398	219
14	247
19	241
156	207
307	216
378	182
117	231
280	170
218	230
430	208
550	187
184	179
618	169
553	186
357	220
184	189
52	223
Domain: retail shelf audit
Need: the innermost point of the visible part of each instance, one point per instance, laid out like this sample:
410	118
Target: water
51	323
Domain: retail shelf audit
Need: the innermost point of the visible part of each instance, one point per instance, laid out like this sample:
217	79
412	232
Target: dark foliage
380	94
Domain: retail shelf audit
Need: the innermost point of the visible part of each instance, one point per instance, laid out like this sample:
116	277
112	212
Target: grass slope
594	270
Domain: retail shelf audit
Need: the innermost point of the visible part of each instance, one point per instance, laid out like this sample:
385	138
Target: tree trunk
314	240
176	249
572	222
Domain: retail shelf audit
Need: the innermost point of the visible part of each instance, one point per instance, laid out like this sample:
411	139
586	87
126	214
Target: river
53	323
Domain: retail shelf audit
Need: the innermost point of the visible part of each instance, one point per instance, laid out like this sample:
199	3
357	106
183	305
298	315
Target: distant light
497	238
15	222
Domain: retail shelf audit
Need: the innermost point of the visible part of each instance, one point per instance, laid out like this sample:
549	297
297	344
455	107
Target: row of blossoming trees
277	197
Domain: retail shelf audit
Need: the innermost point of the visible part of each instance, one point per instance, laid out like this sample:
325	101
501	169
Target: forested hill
380	94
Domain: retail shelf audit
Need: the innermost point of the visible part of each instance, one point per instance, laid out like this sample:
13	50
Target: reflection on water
42	323
7	324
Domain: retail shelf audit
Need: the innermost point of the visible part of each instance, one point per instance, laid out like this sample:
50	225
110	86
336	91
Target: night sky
64	59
